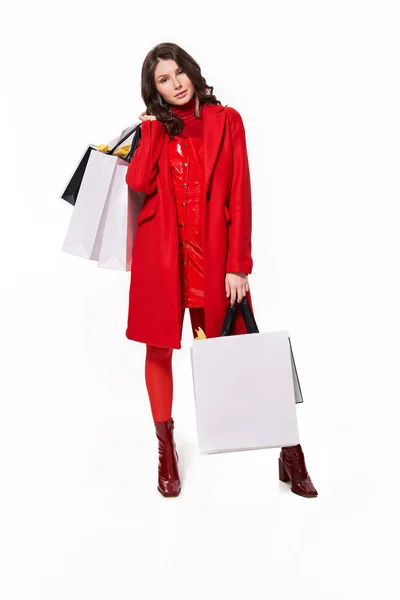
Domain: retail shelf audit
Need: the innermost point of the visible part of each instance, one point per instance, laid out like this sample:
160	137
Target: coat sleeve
239	259
142	170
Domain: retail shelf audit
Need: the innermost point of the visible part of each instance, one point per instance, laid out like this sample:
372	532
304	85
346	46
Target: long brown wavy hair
155	103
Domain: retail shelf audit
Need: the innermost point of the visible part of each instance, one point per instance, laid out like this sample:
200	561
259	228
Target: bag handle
134	144
135	140
231	315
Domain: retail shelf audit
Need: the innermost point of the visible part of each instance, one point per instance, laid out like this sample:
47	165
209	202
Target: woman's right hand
145	117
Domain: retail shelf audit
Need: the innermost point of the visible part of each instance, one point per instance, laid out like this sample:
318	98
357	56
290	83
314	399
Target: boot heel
283	476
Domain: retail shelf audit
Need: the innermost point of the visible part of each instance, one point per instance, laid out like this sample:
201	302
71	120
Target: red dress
186	159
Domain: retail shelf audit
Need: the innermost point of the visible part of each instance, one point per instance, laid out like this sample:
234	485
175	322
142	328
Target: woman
193	239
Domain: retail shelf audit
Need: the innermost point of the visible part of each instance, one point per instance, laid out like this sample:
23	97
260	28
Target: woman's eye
164	78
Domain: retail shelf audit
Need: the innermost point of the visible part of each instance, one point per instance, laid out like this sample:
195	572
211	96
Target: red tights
158	371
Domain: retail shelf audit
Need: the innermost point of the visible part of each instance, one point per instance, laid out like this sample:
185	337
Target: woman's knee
158	352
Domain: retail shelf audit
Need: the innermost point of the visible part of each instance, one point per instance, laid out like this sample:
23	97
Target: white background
317	85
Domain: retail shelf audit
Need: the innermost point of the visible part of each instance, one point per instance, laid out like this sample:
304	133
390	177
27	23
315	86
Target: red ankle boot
169	484
293	467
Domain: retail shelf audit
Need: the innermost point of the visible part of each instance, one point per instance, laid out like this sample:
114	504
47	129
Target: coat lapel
214	117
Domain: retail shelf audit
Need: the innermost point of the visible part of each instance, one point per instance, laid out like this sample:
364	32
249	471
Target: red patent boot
293	467
169	484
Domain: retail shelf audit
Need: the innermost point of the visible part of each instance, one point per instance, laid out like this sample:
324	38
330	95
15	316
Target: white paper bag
245	392
84	226
119	222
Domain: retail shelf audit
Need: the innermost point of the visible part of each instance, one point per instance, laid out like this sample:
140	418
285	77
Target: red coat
154	314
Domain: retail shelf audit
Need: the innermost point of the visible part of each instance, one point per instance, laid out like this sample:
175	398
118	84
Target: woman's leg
159	381
158	375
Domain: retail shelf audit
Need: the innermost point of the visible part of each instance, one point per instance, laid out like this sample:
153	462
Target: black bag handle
137	131
231	315
135	141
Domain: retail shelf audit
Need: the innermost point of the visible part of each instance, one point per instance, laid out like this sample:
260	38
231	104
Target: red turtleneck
192	127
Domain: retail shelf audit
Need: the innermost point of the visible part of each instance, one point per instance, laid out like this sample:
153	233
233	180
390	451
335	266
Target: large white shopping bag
118	223
84	225
245	388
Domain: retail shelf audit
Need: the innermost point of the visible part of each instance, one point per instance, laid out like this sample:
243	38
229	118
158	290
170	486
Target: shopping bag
118	224
105	206
245	387
84	234
131	135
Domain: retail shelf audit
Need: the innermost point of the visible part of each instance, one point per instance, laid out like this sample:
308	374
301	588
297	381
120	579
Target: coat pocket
227	214
148	210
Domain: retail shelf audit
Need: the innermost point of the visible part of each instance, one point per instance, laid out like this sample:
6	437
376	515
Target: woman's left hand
236	285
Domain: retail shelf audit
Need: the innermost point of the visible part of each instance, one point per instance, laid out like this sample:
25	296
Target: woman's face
171	80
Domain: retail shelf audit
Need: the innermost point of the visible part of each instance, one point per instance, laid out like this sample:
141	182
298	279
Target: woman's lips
181	95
